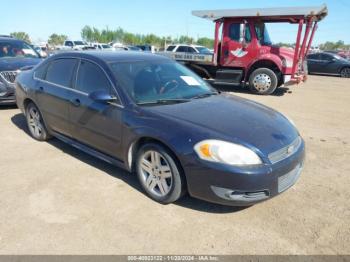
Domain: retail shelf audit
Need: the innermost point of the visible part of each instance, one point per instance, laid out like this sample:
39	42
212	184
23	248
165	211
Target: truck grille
9	76
289	179
285	152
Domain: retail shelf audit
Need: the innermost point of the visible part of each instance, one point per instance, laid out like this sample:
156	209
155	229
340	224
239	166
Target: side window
235	32
326	57
91	78
60	72
69	43
41	71
191	50
313	56
182	49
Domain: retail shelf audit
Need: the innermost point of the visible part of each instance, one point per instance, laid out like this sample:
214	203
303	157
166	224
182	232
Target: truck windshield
262	34
159	82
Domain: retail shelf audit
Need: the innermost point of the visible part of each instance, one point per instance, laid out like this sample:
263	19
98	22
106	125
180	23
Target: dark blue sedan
154	117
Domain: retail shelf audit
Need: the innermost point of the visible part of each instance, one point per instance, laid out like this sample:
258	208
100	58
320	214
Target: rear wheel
35	123
159	174
263	81
345	72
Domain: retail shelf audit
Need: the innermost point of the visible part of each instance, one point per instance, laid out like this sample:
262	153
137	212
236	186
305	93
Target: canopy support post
216	43
297	45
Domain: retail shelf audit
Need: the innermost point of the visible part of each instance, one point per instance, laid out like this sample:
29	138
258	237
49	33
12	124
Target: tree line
92	34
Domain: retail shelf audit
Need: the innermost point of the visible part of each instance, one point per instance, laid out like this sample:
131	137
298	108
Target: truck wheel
263	81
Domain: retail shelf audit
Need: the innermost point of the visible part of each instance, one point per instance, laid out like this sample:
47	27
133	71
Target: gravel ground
57	200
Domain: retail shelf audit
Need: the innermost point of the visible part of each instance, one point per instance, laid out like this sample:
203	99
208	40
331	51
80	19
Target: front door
238	47
94	123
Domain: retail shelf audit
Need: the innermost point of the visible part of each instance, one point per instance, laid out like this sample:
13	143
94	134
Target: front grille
9	76
285	152
289	179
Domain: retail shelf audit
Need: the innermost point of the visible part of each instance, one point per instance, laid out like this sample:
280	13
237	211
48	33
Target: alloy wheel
34	122
345	72
156	173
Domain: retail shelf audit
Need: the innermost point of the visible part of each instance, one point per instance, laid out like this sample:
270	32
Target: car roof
9	39
115	56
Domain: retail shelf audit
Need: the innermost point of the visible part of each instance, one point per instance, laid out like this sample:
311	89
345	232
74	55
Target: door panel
233	53
52	94
96	124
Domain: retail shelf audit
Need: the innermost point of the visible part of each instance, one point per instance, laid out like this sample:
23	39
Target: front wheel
263	81
159	173
345	72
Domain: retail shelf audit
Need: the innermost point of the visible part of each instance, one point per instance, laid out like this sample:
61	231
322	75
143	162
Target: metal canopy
267	14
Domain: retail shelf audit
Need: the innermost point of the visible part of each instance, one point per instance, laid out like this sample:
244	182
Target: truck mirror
242	34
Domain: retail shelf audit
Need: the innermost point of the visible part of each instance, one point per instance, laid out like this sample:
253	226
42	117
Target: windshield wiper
164	101
205	95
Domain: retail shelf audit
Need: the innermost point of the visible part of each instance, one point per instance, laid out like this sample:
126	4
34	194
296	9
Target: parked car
42	51
101	46
184	48
328	64
147	48
151	115
14	55
74	45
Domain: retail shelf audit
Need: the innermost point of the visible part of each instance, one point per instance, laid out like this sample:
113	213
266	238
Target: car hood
13	64
234	119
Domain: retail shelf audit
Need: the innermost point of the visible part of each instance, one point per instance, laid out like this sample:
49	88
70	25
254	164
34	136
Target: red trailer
244	53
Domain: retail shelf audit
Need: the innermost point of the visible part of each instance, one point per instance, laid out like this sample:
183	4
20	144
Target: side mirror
242	34
102	96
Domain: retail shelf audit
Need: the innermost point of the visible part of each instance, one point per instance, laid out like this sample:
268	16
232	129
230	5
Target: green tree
21	35
56	39
205	41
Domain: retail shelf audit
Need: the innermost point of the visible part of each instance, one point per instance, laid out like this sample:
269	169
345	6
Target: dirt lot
57	200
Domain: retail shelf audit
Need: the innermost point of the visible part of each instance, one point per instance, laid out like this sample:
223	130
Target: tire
162	182
36	123
263	81
345	72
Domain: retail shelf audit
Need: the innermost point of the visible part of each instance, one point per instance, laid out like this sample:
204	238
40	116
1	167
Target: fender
268	57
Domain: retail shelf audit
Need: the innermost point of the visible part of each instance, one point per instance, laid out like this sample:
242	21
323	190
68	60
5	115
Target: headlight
227	153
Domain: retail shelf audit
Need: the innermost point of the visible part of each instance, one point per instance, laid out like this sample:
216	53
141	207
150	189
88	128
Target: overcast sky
163	17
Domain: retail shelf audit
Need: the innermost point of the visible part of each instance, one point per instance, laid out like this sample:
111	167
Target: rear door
94	123
313	63
53	82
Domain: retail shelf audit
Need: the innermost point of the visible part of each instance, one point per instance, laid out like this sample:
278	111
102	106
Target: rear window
60	72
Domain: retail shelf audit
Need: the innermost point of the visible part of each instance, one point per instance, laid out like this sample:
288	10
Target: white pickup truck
74	45
184	52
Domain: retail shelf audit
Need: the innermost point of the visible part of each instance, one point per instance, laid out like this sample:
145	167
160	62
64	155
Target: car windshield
262	34
203	50
17	49
154	82
79	43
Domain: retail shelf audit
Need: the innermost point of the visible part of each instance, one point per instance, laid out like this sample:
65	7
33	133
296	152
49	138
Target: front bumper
7	93
238	186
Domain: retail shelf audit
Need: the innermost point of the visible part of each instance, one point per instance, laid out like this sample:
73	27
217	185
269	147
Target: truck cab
243	50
